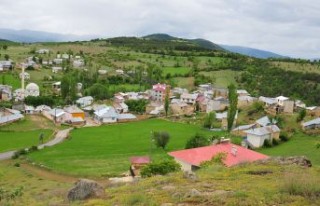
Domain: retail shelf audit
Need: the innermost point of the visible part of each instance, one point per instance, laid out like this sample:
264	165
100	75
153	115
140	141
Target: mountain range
31	36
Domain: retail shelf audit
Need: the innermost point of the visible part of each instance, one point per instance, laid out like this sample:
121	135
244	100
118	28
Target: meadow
105	150
25	133
10	140
298	145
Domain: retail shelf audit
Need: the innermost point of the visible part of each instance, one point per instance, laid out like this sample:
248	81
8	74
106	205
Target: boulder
84	189
190	175
294	160
193	193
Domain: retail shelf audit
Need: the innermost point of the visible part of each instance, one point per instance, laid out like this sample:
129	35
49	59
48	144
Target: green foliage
68	87
6	57
98	91
233	102
198	140
217	159
267	143
166	102
318	145
36	101
160	168
284	136
302	115
257	107
209	120
6	195
138	106
161	139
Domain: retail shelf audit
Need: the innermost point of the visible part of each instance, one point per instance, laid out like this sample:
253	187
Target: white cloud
288	27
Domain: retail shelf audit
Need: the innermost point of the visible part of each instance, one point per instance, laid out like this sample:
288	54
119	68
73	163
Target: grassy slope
18	140
24	133
43	188
223	77
105	150
37	190
299	144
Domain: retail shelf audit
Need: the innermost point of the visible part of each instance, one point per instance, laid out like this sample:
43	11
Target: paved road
60	136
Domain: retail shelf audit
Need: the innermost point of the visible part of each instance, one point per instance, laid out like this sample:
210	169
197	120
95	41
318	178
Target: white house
9	115
264	121
29	109
242	92
313	124
281	100
56	69
268	101
121	107
106	115
43	51
57	61
188	98
85	101
256	136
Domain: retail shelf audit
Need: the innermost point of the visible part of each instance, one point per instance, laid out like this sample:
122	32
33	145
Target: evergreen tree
233	102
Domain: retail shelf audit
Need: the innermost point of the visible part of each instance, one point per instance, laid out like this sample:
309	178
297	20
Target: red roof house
191	159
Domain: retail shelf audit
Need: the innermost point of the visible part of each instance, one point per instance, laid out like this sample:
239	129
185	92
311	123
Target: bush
302	115
275	142
18	153
284	136
197	140
161	139
267	143
17	164
160	168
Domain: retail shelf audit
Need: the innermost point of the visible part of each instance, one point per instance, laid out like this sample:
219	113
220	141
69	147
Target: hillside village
260	124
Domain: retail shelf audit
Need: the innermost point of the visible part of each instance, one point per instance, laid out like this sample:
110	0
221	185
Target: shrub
275	141
160	168
302	115
284	136
197	140
161	139
217	159
267	143
17	164
18	153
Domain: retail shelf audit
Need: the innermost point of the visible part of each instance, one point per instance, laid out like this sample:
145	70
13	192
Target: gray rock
84	189
294	160
190	175
193	193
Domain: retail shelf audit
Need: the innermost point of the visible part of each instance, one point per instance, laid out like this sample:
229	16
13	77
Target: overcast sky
287	27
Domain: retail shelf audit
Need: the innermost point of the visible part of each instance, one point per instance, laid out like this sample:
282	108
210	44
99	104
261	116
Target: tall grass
304	184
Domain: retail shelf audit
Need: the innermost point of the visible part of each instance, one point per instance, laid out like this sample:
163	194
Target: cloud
288	27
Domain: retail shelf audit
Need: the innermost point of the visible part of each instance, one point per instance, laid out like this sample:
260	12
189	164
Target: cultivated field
105	150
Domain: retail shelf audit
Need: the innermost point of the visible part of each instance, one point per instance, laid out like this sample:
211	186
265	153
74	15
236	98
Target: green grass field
10	140
105	150
10	79
176	70
223	77
299	145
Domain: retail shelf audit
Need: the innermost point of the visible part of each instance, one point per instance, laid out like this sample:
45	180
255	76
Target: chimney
234	151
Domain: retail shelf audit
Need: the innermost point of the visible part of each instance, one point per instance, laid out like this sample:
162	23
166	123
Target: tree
138	106
98	91
166	102
161	139
197	140
233	102
6	57
302	115
68	87
5	47
209	119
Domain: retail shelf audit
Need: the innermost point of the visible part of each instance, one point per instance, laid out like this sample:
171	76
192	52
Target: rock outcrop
85	189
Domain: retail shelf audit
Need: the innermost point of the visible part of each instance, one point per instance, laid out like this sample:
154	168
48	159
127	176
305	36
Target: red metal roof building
192	158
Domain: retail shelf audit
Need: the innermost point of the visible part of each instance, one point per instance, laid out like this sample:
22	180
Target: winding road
59	137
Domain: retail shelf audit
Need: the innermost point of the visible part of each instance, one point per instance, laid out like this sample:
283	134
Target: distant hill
160	37
252	52
203	43
30	36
